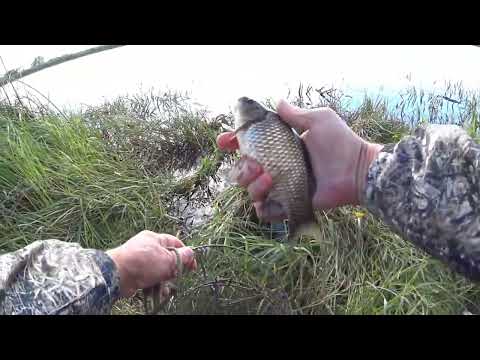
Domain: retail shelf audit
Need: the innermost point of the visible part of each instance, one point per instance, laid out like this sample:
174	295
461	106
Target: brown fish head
248	111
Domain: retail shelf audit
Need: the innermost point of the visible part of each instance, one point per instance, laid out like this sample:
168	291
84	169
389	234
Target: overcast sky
217	75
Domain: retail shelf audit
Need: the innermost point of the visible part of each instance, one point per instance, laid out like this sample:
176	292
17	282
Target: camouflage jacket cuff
55	277
110	274
426	188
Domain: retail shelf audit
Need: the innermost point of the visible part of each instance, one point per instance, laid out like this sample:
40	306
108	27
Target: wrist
368	153
127	284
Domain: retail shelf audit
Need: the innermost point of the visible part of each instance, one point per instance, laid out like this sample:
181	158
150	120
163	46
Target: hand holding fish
339	158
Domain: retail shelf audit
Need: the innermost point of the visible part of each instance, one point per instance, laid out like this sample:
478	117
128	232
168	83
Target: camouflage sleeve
54	277
426	187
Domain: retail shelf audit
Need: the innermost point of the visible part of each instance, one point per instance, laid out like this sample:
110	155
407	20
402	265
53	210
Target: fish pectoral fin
273	210
235	171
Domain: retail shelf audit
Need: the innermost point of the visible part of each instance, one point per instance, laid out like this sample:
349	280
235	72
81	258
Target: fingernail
252	167
188	252
285	103
260	187
266	181
281	102
258	208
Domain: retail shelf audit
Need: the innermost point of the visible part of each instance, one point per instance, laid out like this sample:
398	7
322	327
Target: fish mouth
245	101
243	105
247	111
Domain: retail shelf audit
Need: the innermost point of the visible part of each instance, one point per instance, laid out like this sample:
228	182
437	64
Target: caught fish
263	136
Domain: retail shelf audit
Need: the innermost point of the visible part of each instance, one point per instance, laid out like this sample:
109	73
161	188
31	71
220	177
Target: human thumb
293	115
187	256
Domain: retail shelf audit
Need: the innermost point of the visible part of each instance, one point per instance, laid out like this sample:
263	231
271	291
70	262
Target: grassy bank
101	176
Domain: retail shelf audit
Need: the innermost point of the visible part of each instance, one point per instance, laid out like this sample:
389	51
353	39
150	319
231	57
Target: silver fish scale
273	144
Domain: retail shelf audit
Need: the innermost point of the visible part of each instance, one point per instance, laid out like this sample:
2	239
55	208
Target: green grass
106	174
